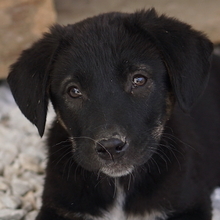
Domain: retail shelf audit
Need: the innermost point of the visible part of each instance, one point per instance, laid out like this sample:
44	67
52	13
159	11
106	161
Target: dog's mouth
117	170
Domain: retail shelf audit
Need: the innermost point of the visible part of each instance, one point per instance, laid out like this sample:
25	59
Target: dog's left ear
185	52
29	77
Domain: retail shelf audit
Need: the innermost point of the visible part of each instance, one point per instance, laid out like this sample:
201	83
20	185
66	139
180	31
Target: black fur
122	86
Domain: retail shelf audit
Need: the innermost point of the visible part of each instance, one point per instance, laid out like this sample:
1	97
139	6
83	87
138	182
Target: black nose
111	149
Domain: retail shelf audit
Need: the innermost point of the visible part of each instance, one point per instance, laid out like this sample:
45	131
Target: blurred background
22	152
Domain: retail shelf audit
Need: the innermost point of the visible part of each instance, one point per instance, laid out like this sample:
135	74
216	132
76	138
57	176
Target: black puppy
123	145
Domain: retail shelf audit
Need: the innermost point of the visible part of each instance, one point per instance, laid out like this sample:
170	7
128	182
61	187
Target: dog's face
112	98
111	80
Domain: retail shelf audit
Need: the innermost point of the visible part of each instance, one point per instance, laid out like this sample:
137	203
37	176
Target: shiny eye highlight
74	92
139	80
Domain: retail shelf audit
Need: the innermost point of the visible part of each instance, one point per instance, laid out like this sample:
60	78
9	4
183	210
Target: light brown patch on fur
61	121
170	100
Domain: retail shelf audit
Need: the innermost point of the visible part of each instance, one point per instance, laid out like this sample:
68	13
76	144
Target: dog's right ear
29	77
186	53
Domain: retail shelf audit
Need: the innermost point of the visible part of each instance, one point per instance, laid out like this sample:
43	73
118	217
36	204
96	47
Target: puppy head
111	80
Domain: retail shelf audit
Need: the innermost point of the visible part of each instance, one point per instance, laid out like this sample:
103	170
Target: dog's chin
117	171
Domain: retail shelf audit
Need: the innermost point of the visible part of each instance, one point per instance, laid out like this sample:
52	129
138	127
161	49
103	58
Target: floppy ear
29	77
185	52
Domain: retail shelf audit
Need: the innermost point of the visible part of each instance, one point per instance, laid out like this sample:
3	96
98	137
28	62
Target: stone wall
21	23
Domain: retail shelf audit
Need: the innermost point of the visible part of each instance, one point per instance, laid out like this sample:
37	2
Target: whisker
154	151
61	148
131	176
115	188
70	166
61	142
65	154
155	162
77	167
170	136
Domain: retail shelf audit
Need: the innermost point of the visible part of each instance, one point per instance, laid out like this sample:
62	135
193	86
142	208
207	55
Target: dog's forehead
106	38
105	46
109	23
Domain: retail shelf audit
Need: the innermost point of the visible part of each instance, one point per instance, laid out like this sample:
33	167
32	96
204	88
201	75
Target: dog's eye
139	80
74	92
